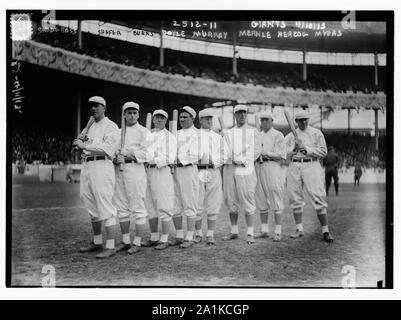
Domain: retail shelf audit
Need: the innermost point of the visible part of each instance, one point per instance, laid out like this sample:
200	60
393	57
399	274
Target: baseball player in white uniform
186	181
239	177
131	183
271	179
97	177
213	154
159	202
305	173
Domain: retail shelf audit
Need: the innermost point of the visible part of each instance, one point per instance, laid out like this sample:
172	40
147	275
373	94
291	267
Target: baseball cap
188	109
97	99
130	104
302	115
160	112
206	113
265	115
240	107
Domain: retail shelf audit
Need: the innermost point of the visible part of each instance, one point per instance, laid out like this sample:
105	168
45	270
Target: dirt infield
49	224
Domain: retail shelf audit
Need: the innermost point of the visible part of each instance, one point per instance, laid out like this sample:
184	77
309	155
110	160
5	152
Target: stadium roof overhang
367	37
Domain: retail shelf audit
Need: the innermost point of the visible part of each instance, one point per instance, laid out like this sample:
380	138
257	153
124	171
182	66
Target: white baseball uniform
186	181
239	182
306	170
97	175
131	183
160	190
213	154
271	180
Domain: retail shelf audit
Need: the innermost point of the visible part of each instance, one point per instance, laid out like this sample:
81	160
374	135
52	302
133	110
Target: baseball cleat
277	237
123	247
297	234
134	249
262	235
107	253
198	239
328	237
250	239
162	246
91	248
231	236
176	242
149	243
210	241
186	244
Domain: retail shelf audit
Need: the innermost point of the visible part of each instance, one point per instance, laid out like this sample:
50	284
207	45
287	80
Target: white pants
186	185
96	189
210	193
239	190
160	193
308	175
130	191
270	186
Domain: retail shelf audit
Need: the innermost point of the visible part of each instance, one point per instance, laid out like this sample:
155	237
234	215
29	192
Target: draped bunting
63	60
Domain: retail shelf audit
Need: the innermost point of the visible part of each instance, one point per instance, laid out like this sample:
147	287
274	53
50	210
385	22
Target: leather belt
95	158
205	166
130	161
180	165
303	160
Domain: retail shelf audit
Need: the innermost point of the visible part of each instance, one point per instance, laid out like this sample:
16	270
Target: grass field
49	224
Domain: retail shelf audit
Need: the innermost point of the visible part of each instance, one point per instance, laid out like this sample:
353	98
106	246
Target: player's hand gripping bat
83	135
173	129
122	139
294	132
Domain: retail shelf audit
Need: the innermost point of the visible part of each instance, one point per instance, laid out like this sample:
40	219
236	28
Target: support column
161	54
235	71
376	129
349	121
304	70
78	112
376	70
321	118
79	34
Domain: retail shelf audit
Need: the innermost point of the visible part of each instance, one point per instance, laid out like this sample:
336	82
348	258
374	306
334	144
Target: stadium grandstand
341	80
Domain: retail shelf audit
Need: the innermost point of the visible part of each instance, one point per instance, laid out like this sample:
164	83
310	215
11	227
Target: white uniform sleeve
319	149
189	152
141	153
167	152
252	148
279	150
257	149
289	143
108	144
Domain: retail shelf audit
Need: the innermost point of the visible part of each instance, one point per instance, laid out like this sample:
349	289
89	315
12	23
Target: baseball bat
292	126
290	123
257	126
86	129
174	126
257	122
122	139
221	121
175	121
149	121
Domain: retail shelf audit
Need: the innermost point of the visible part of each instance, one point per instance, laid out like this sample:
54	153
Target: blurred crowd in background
263	73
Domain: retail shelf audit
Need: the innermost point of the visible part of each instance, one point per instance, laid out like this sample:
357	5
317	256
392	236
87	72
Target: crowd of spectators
37	146
266	74
40	146
358	148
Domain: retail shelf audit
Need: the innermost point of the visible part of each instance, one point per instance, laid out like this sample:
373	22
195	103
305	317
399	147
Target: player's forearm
318	152
99	150
274	155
